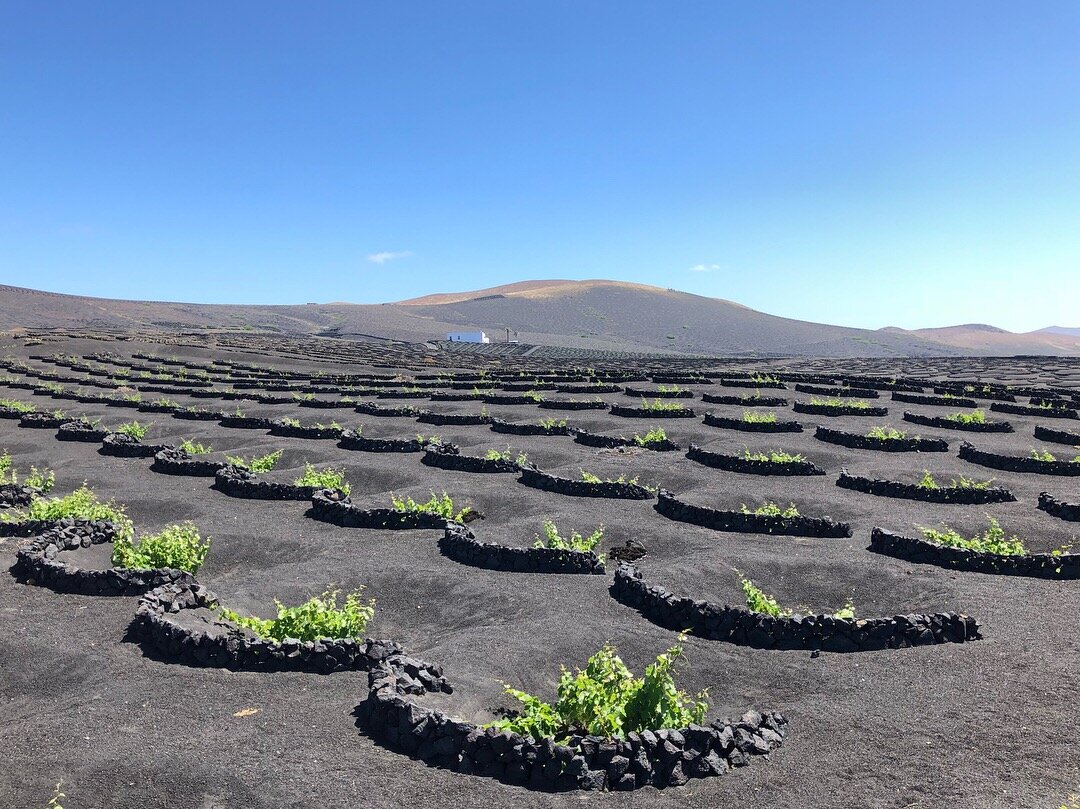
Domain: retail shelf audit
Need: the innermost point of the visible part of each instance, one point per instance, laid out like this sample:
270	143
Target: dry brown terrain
588	315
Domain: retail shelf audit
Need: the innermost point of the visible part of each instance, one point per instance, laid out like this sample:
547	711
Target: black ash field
990	722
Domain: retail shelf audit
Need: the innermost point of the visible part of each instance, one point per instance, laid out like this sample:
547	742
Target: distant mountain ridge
1072	332
601	315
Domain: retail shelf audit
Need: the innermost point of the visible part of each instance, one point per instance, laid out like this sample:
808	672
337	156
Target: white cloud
388	255
704	267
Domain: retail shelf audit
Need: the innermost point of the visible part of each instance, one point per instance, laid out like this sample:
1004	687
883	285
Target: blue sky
867	164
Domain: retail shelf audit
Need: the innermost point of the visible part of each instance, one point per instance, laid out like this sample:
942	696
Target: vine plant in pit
760	602
41	480
661	405
575	542
886	434
133	429
857	404
589	477
262	463
195	448
777	456
323	479
656	435
605	699
441	505
993	540
771	510
81	504
177	546
974	417
751	417
318	617
505	455
928	482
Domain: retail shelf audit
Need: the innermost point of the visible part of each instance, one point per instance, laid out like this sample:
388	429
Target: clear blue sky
868	164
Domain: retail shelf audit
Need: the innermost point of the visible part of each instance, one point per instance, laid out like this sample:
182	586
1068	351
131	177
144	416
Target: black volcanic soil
990	723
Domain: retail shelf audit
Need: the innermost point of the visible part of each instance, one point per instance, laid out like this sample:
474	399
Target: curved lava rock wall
737	463
651	758
38	560
1011	463
856	441
531	476
913	549
461	545
675	509
910	491
949	424
741	626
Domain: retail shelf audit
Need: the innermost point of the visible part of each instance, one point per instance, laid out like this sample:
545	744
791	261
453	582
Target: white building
467	337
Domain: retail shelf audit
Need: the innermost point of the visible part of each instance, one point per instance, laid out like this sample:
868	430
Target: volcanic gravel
990	723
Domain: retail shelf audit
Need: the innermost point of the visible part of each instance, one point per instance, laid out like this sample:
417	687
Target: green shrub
992	540
836	401
660	405
974	417
751	417
847	611
54	801
605	699
885	434
551	424
42	480
17	406
7	470
318	617
1042	455
134	430
429	439
669	388
535	395
323	478
970	483
764	379
760	602
779	456
82	504
195	448
263	463
290	422
441	505
177	546
165	401
771	510
656	435
589	477
928	482
576	542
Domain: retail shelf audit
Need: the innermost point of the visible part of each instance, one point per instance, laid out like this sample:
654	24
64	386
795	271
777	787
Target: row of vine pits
490	627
